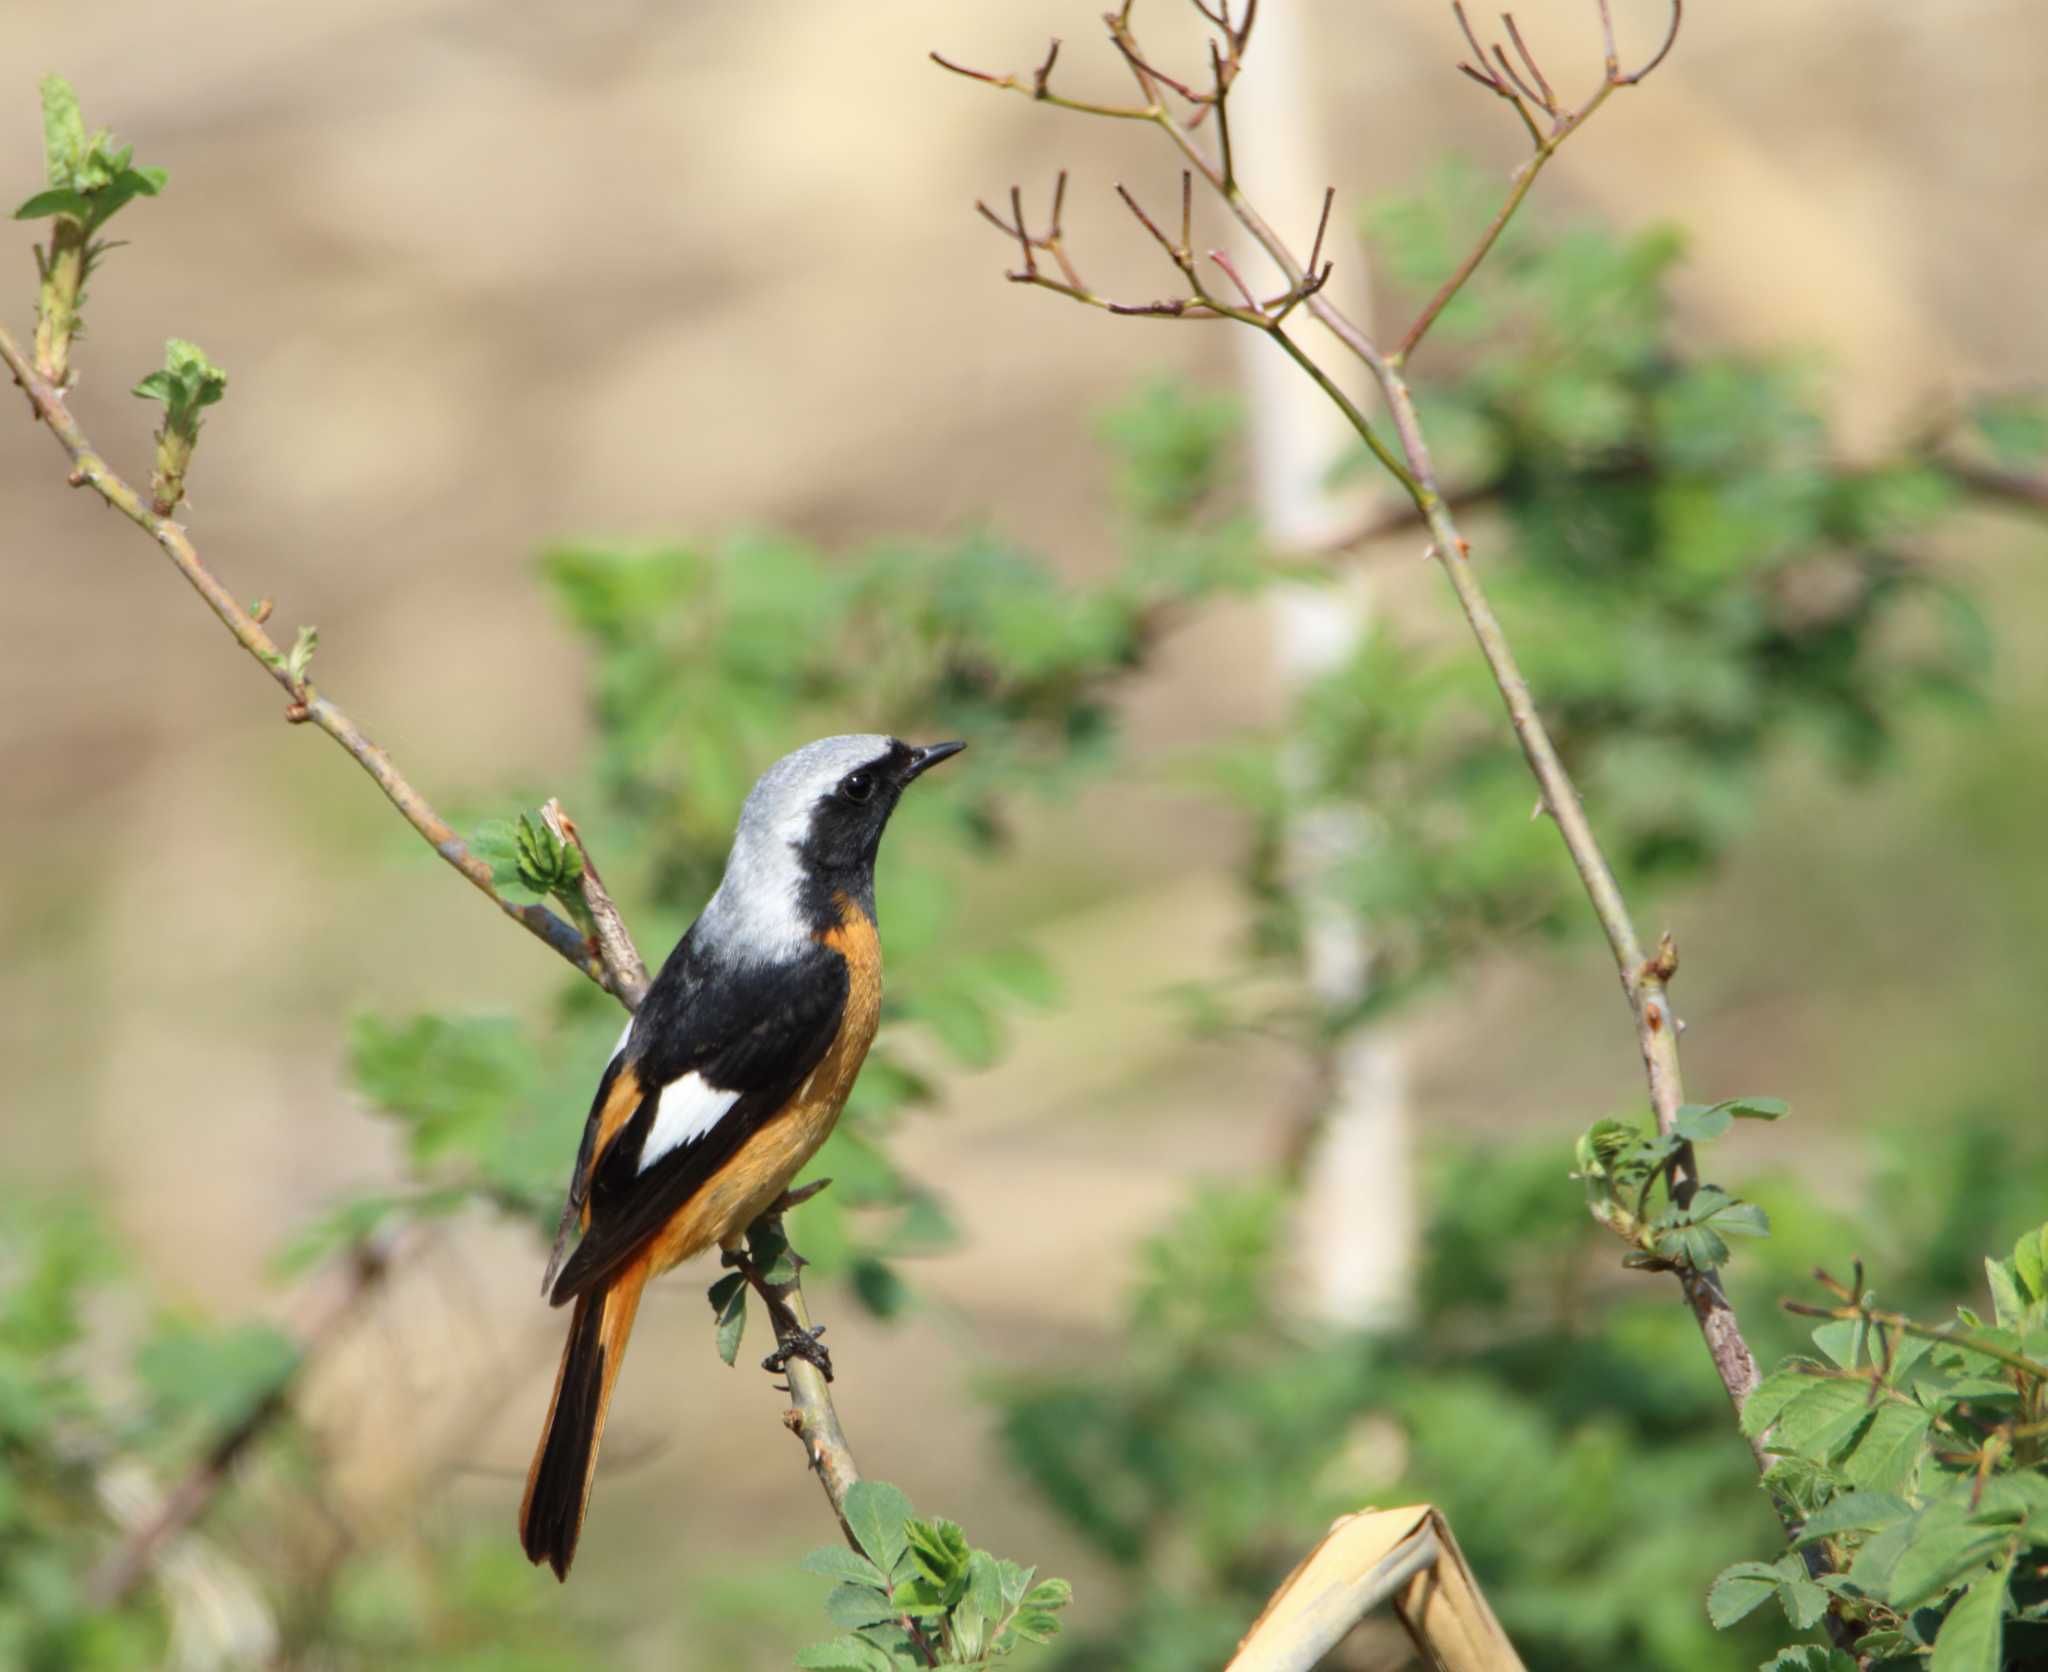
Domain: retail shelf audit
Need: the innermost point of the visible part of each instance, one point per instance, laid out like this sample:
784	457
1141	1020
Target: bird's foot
796	1342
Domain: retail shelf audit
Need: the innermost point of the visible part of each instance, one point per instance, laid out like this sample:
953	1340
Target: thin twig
306	703
614	963
1643	979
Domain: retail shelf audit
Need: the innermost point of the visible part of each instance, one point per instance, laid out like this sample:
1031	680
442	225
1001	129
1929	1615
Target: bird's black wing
751	1033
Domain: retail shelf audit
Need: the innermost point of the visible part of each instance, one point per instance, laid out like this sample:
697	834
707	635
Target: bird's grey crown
755	913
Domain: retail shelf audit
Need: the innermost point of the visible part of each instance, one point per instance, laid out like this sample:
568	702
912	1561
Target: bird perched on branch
725	1082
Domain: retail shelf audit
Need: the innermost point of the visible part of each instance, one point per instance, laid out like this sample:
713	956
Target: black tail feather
558	1484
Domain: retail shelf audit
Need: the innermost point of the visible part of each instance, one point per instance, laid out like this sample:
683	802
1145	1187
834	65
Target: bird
728	1078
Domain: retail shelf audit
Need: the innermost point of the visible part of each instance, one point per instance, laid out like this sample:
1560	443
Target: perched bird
725	1082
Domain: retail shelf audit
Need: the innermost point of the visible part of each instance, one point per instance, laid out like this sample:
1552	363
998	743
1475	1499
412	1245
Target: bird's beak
924	757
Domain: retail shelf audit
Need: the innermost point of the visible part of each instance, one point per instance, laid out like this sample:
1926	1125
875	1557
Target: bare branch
1547	99
1037	88
1643	979
1564	123
608	958
305	704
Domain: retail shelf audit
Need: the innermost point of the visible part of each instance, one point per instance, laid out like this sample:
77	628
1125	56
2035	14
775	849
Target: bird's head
810	828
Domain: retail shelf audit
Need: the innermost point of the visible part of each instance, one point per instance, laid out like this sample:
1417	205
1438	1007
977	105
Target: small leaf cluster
1622	1167
1914	1460
90	180
91	177
187	385
526	857
917	1594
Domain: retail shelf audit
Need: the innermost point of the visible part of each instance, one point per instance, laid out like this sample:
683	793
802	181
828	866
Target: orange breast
740	1191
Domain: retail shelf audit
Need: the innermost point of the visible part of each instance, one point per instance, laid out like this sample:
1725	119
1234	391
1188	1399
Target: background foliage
1699	591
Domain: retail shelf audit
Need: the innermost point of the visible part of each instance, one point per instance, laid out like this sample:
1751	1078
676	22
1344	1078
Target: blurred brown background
486	274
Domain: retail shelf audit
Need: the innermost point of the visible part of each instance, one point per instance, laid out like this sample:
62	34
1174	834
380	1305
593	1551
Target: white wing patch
690	1107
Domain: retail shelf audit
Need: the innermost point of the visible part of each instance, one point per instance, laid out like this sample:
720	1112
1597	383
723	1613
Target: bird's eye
857	787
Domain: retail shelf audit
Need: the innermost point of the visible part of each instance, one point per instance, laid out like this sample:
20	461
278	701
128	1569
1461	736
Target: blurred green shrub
1558	1412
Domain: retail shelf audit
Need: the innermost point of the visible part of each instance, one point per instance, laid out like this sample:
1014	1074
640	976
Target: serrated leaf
1972	1638
1034	1625
1693	1245
835	1561
1771	1396
1855	1512
843	1654
1888	1456
1811	1657
1049	1593
1822	1420
1739	1591
1939	1553
1804	1602
857	1605
984	1595
879	1515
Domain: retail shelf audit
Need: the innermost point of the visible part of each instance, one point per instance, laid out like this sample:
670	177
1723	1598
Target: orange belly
742	1190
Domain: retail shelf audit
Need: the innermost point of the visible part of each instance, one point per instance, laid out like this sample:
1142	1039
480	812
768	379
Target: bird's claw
800	1344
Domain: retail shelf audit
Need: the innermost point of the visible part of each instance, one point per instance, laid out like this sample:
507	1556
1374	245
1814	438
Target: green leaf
858	1605
1739	1591
1772	1395
1035	1625
835	1561
728	1297
1821	1420
1856	1512
1887	1458
2009	1306
1699	1123
1757	1108
769	1249
843	1654
1811	1657
1692	1245
2030	1262
1804	1602
1940	1552
63	129
1972	1638
1049	1593
879	1515
58	200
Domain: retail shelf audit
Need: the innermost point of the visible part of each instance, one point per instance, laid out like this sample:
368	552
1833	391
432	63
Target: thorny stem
613	962
1643	980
